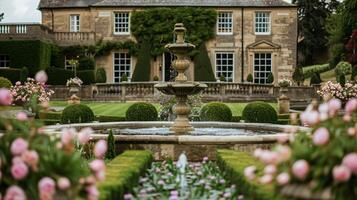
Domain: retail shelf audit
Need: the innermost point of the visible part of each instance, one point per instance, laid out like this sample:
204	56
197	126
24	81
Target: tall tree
312	20
340	26
351	48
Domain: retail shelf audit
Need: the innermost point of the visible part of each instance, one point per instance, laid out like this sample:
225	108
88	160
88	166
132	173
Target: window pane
262	67
122	65
262	22
121	22
224	65
225	22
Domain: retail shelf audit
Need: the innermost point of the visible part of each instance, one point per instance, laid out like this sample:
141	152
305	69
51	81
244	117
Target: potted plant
74	85
156	78
284	84
124	78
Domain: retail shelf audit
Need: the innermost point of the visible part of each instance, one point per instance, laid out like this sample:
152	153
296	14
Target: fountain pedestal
181	88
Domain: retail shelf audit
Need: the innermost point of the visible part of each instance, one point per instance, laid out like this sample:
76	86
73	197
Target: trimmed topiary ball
141	112
5	83
77	113
216	112
260	112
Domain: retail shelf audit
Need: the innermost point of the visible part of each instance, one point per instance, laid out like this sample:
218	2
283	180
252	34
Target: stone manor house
252	36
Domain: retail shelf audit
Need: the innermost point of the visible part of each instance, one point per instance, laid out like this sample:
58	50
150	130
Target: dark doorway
169	72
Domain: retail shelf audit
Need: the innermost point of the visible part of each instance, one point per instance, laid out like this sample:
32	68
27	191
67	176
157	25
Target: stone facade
281	43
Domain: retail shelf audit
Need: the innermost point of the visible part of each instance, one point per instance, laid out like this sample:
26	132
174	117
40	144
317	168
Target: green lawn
119	109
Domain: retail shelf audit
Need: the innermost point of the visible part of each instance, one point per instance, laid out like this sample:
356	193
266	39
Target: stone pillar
283	102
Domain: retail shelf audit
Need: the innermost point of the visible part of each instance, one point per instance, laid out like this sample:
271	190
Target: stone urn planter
74	90
283	101
303	192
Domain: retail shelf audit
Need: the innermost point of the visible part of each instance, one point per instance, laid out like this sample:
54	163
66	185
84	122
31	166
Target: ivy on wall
103	48
156	25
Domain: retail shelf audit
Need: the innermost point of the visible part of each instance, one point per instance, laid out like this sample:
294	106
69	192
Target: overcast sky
22	10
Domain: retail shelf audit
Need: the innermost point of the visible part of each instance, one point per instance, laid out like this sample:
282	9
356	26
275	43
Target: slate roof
160	3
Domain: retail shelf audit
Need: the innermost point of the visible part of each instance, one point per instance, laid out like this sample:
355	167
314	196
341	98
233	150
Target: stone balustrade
74	38
227	92
25	31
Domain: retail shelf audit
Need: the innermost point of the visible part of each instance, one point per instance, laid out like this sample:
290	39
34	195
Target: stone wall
281	42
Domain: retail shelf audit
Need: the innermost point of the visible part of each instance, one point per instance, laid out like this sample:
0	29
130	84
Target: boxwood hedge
260	112
216	112
77	113
141	112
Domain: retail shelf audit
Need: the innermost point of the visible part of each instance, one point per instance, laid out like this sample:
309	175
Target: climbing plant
156	25
103	48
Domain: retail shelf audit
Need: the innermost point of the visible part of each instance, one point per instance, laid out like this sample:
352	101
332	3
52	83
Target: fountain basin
180	88
196	146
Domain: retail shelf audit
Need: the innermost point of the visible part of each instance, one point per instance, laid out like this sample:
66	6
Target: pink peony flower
300	169
282	138
84	135
341	173
310	117
269	157
19	146
284	153
67	135
100	149
351	131
92	192
321	137
15	193
21	116
63	183
100	175
19	170
283	178
249	172
41	77
97	165
47	188
270	169
350	161
266	179
351	105
5	97
257	153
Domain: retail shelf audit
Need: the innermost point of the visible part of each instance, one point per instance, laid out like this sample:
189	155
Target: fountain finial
180	32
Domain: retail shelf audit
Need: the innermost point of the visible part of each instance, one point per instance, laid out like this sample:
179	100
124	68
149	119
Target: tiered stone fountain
181	87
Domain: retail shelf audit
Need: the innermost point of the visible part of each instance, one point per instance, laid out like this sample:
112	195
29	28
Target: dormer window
262	23
74	23
225	23
122	23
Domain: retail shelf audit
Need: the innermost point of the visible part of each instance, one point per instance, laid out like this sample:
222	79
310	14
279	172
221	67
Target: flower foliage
43	166
22	93
323	158
74	82
335	90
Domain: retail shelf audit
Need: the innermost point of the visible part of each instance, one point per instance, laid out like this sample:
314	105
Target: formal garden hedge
77	113
123	173
233	164
216	112
141	112
14	74
260	112
5	83
33	54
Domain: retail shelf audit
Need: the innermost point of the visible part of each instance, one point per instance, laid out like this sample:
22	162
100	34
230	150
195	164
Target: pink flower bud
92	192
310	117
269	157
283	178
321	136
19	146
14	192
350	161
47	188
31	158
63	183
41	77
21	116
266	179
84	135
334	105
270	169
301	169
19	170
351	131
351	105
67	135
97	165
249	172
100	149
284	153
5	97
341	173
